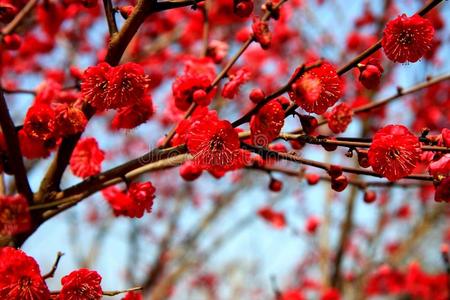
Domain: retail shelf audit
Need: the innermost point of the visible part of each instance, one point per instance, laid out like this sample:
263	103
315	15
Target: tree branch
15	158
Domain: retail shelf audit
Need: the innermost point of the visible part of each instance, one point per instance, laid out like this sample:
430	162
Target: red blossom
443	191
446	137
441	167
318	89
142	195
198	75
407	38
137	200
69	120
20	277
32	148
86	158
134	115
231	88
14	215
214	145
80	285
95	85
394	152
340	117
39	122
128	84
276	219
267	123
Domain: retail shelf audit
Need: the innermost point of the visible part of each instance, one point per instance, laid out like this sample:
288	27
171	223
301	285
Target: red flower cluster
86	158
318	89
394	152
407	38
14	215
267	123
20	277
81	284
106	87
133	203
44	125
214	144
412	282
194	84
339	118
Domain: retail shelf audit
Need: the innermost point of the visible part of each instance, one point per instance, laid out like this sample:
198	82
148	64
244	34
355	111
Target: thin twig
11	27
110	17
54	267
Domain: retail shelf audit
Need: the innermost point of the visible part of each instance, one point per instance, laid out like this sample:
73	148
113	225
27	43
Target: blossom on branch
394	152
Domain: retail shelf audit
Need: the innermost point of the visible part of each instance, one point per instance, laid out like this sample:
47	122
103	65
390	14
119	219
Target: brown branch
15	158
109	293
430	81
324	166
11	27
344	142
361	184
110	17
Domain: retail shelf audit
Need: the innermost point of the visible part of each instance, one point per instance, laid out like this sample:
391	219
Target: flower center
393	153
406	37
216	143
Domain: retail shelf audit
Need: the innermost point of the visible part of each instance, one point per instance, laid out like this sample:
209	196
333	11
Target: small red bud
275	185
312	178
312	224
243	9
363	158
12	41
335	171
257	95
125	11
189	171
329	147
309	123
200	97
370	196
296	145
339	183
7	12
76	72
